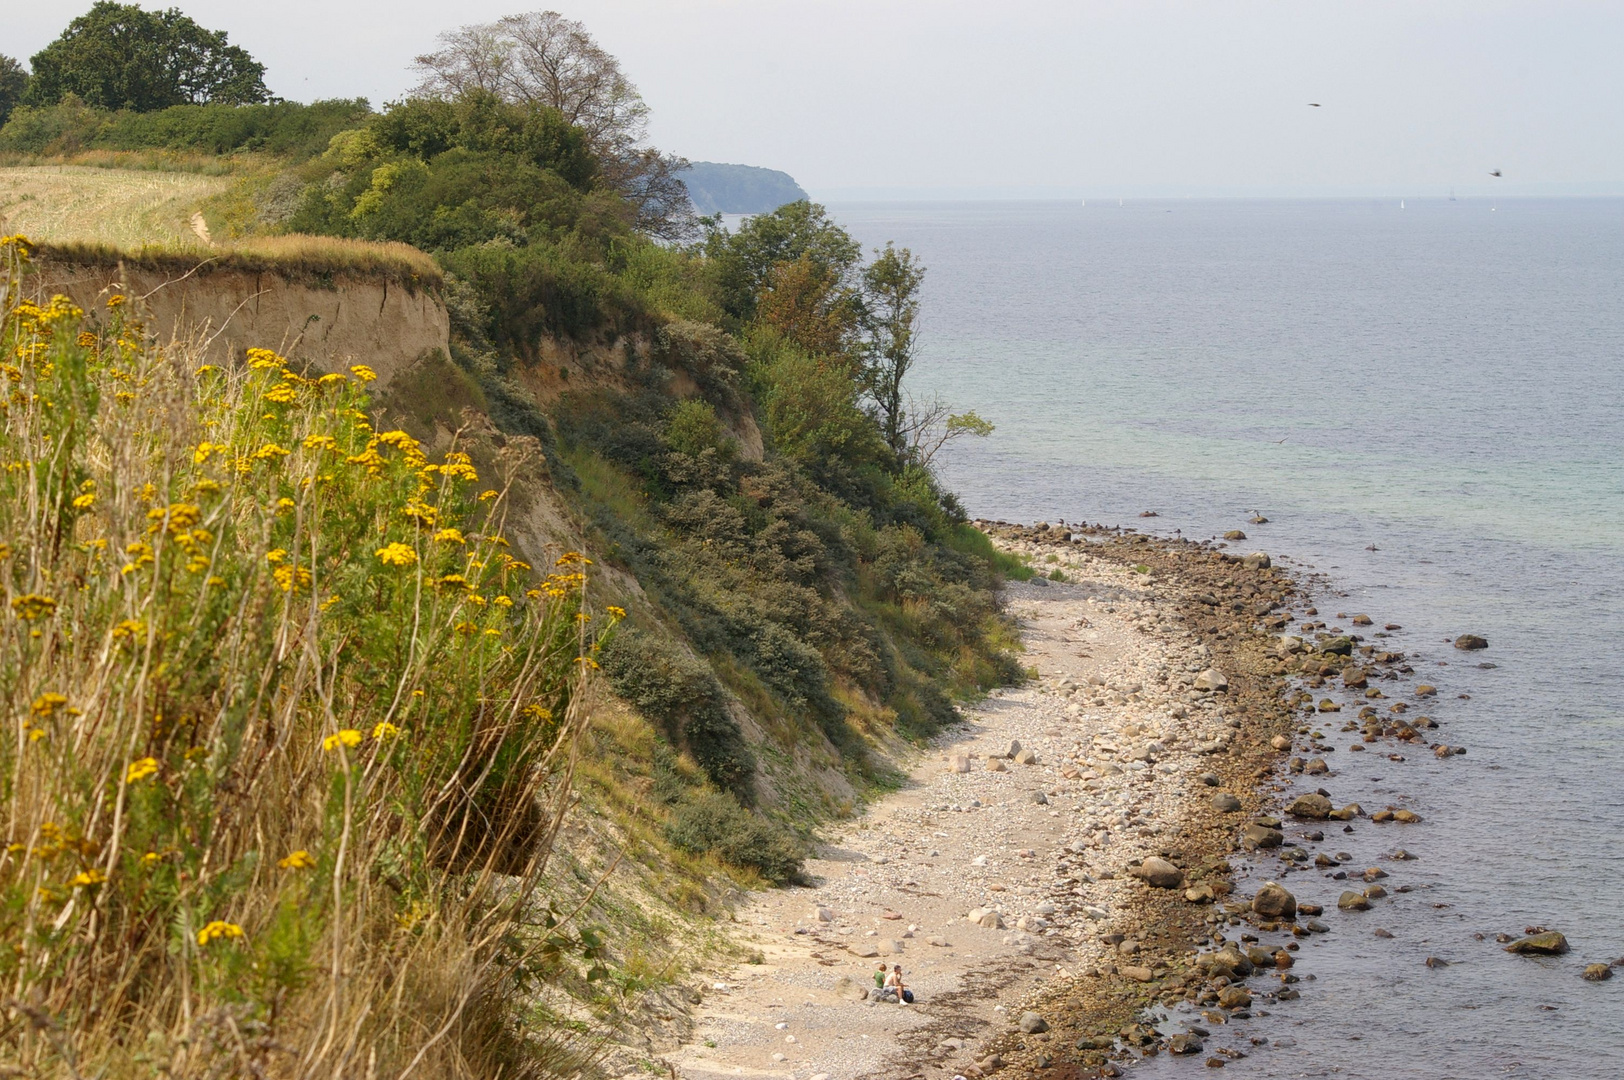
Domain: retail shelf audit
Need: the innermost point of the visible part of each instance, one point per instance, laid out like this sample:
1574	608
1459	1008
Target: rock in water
1261	836
1274	902
1352	901
1234	997
1033	1024
1234	534
1549	943
1471	641
1597	973
1161	874
1184	1044
1312	806
1211	680
1258	560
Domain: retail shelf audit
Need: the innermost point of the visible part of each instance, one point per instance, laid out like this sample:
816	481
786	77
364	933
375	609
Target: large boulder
1258	560
1471	642
1313	806
1274	902
1032	1024
1161	874
1550	943
1228	961
1225	803
1257	836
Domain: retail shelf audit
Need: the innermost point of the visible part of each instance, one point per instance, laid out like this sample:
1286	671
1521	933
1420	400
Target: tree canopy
118	56
13	84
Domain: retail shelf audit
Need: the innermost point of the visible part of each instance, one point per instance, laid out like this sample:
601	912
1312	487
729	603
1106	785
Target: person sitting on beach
893	983
879	976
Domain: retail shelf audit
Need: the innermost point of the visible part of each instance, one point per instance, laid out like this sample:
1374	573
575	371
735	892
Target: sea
1425	398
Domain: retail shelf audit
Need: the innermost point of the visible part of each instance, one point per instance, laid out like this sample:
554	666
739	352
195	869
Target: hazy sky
1040	96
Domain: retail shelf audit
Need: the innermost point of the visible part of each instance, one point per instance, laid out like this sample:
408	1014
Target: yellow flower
281	394
320	442
268	451
217	930
129	629
275	555
385	730
617	612
288	578
140	770
264	360
571	558
503	601
85	501
31	606
283	505
150	858
206	369
298	860
397	554
345	737
88	877
362	372
330	379
450	536
486	496
46	704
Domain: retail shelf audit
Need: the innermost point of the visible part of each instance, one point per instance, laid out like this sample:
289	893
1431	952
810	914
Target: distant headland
739	189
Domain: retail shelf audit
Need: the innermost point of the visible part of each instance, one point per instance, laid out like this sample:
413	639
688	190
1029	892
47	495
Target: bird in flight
1496	172
1314	105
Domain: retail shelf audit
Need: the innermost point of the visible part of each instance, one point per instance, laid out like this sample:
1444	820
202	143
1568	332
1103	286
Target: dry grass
123	208
290	732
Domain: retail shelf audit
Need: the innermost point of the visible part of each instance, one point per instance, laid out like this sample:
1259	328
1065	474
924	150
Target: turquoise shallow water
1443	382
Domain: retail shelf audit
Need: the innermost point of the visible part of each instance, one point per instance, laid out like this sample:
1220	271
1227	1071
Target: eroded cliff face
333	322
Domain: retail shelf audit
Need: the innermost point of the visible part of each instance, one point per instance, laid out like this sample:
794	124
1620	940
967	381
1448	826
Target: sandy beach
1008	875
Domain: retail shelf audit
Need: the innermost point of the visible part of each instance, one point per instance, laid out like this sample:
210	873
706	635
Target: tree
745	263
117	56
891	316
13	84
542	58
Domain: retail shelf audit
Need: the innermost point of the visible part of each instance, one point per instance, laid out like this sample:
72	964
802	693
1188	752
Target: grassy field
124	208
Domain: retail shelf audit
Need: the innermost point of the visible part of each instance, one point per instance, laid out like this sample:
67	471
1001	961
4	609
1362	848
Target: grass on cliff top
101	216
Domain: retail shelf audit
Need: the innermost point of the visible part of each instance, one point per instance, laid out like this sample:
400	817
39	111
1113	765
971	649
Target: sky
1042	98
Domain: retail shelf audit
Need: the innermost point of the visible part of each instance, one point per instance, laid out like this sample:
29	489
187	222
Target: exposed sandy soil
1045	845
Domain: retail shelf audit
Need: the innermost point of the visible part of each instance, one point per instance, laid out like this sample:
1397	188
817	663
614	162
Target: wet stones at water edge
1158	873
1597	972
1548	943
1273	901
1471	642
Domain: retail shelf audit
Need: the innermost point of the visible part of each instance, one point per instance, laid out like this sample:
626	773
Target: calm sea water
1444	382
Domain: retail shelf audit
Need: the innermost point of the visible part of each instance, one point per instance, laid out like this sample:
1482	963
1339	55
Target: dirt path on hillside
1121	742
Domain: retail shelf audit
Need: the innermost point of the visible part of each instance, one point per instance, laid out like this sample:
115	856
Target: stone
996	764
1234	997
1026	757
1013	748
1234	534
1471	642
1158	873
1257	836
1211	680
1200	894
937	940
1346	813
865	951
1312	806
1550	943
1040	798
1352	901
1337	646
1184	1043
1355	678
1426	690
888	946
958	763
1597	972
847	989
1228	961
1273	901
1406	817
986	917
1032	1024
1225	803
1137	974
1363	620
1316	767
823	914
1258	560
1374	892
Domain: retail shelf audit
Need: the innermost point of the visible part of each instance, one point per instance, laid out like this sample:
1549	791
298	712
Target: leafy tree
13	84
541	58
891	283
117	56
743	264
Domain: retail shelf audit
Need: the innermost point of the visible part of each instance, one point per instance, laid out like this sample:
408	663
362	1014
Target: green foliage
287	129
715	823
683	700
13	85
742	263
117	56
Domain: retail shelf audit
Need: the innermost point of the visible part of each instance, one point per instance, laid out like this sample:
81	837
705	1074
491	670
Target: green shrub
715	823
